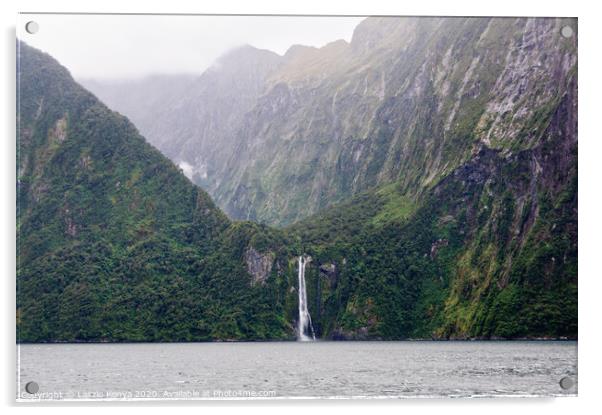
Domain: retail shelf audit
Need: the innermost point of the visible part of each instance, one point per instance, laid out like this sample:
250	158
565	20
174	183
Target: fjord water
297	369
304	324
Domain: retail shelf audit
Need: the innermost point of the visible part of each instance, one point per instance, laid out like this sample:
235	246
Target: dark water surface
289	369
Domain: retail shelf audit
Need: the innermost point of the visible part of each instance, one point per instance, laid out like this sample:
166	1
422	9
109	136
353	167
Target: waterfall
304	322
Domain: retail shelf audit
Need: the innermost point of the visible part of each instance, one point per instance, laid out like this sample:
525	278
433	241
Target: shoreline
497	340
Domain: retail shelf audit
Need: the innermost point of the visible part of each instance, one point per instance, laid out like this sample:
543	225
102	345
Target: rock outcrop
259	265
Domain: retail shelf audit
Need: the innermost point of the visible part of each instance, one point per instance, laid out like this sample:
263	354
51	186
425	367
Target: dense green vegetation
469	263
116	244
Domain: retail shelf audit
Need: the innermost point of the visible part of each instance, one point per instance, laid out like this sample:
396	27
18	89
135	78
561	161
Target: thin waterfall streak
304	322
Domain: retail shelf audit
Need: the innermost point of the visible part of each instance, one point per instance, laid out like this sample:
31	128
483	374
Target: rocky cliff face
259	265
489	251
408	99
450	143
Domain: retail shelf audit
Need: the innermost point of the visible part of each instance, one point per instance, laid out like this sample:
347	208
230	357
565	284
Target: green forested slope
490	251
114	243
476	236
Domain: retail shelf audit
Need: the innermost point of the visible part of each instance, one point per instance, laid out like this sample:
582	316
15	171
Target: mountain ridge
411	95
475	237
113	242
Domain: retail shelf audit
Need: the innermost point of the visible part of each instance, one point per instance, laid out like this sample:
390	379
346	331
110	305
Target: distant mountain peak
243	53
296	50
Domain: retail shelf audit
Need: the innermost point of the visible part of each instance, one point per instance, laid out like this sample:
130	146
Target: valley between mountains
427	168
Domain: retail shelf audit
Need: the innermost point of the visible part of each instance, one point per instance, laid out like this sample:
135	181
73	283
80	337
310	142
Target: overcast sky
105	46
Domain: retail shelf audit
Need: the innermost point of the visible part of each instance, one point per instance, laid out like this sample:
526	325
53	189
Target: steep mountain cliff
113	240
428	167
490	252
194	122
408	99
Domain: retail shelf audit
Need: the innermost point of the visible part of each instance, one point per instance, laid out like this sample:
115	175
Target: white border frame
590	95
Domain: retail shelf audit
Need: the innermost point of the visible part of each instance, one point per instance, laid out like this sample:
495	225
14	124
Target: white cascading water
304	318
